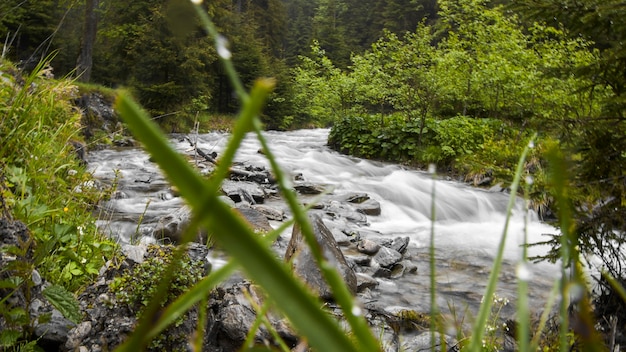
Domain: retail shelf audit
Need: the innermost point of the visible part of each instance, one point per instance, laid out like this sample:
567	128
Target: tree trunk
84	62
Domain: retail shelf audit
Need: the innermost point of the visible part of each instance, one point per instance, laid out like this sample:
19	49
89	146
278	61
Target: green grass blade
615	284
573	283
431	255
543	319
485	307
558	179
522	272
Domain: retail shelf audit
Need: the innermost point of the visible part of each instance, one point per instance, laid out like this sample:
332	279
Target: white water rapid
468	227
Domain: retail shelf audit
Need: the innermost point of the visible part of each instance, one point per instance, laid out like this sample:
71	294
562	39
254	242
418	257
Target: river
468	227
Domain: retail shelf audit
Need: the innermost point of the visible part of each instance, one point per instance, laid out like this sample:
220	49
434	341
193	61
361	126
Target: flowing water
468	227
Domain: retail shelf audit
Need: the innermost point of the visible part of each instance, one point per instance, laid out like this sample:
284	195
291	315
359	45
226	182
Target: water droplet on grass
529	180
523	272
221	43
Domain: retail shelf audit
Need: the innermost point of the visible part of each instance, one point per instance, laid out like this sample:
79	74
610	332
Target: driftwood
208	157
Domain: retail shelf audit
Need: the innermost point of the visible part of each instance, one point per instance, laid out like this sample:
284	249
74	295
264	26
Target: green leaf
64	301
8	338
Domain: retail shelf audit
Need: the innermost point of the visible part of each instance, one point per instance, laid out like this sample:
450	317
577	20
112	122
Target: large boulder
305	266
232	315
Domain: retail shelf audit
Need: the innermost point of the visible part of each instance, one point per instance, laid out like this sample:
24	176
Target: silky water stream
468	227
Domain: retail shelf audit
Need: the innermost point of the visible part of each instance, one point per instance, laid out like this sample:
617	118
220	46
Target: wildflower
66	209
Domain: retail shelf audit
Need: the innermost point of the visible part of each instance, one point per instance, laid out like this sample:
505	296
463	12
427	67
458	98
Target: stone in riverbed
404	267
369	207
238	191
337	210
365	281
341	238
368	247
399	244
423	343
257	220
269	212
387	257
353	197
304	265
360	260
234	315
308	188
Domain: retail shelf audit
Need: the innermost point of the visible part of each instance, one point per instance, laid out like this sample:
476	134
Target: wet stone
305	265
353	197
399	244
257	220
308	188
368	247
386	257
341	238
239	191
404	267
369	207
269	212
379	271
360	260
364	281
423	343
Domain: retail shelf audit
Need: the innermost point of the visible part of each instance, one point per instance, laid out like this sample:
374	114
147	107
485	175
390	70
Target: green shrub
45	185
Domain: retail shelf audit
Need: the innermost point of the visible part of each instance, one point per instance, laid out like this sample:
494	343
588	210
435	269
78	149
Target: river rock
256	219
270	212
341	237
343	210
387	257
365	281
243	191
360	260
353	197
172	226
423	343
304	265
108	322
399	244
77	334
308	187
232	316
404	267
251	174
368	247
369	207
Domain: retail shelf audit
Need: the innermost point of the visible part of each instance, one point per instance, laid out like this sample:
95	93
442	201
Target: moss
409	320
138	285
